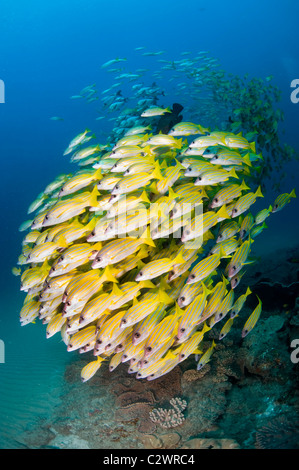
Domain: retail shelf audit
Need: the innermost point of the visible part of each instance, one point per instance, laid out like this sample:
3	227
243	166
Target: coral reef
170	418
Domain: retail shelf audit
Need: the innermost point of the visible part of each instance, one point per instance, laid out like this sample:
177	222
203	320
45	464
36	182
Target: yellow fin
98	174
116	290
144	197
178	259
157	173
93	197
222	213
108	276
172	194
292	193
147	284
259	192
97	246
233	173
146	237
61	242
197	351
243	186
163	297
246	160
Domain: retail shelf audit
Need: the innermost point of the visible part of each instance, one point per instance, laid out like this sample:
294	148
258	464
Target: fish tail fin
146	237
62	243
164	297
205	328
98	174
179	143
108	276
178	259
156	174
246	160
248	291
171	194
93	196
252	147
259	192
97	246
244	186
116	290
147	284
91	224
222	213
233	173
292	193
144	197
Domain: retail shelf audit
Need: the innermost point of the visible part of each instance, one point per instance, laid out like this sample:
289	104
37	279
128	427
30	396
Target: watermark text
2	91
295	93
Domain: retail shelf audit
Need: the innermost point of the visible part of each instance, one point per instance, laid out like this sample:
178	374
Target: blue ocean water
49	51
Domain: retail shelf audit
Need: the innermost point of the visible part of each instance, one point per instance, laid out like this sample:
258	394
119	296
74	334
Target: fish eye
99	258
192	276
235	210
145	361
62	258
246	331
68	303
220	315
99	341
116	187
70	345
108	345
182	355
171	273
183	330
216	199
221	335
124	321
276	206
141	273
234	268
149	348
53	269
137	335
93	233
199	178
47	217
125	356
182	299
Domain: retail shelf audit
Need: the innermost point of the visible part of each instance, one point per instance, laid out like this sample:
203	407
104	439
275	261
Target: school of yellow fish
137	257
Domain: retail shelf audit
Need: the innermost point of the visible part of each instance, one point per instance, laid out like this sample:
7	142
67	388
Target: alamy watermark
295	93
295	354
2	352
2	91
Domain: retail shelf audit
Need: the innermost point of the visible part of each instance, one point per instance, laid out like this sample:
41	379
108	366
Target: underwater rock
211	444
171	440
150	441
